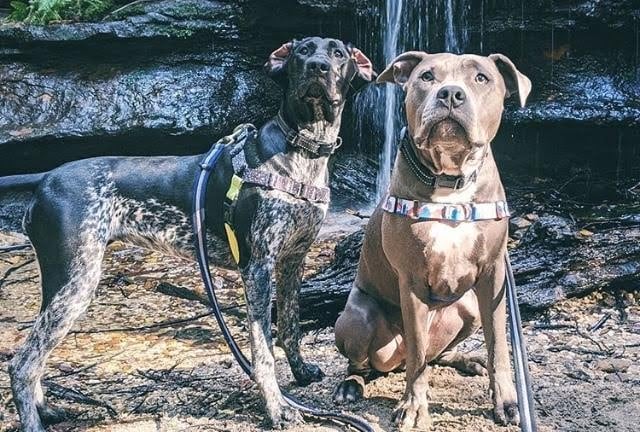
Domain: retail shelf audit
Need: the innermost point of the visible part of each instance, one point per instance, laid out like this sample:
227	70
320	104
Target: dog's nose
318	66
451	96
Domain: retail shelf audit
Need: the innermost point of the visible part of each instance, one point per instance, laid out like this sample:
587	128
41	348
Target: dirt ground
145	358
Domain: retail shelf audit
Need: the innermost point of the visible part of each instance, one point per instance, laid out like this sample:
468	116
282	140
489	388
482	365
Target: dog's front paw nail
505	405
506	413
286	417
349	390
309	373
412	413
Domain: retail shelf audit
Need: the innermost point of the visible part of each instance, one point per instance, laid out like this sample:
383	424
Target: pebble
613	365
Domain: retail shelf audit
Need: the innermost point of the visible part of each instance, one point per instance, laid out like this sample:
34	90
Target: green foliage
19	11
46	11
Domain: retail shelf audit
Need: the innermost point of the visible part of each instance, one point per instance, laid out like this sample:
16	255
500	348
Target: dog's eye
338	54
481	78
304	50
428	76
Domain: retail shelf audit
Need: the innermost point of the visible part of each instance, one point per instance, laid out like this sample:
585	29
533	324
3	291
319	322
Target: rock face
171	76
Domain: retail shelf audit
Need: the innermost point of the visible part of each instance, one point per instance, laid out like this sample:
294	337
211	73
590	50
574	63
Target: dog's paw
474	365
307	374
50	415
285	417
349	390
412	413
505	405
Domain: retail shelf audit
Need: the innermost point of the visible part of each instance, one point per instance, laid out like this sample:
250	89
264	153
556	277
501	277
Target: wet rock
189	93
552	229
168	18
518	226
611	13
353	180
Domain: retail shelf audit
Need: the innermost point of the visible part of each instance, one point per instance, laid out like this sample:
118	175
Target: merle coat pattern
79	208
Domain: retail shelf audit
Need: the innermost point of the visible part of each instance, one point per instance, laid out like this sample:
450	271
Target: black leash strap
520	359
199	228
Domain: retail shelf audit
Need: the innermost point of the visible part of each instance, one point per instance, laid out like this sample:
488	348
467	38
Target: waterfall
404	25
392	30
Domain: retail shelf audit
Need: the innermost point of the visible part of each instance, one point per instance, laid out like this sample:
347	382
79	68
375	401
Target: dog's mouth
317	91
448	134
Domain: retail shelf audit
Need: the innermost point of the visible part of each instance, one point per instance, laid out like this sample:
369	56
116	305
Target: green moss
47	11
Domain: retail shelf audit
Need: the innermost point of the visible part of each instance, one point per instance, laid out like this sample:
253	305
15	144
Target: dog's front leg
413	409
288	280
491	300
258	290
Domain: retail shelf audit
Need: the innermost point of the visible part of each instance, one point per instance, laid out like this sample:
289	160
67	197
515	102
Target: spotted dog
80	207
432	264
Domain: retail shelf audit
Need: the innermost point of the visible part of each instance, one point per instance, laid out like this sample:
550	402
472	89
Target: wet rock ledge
171	76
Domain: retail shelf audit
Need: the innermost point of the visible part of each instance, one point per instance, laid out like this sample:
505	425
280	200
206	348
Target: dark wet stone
168	18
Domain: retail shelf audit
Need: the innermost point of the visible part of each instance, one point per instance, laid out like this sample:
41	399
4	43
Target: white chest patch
452	239
454	244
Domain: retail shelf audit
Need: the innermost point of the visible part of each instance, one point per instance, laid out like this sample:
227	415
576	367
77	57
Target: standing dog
425	282
79	208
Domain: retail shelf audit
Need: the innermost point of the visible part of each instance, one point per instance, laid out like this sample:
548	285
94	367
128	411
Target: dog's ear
363	64
275	66
363	72
514	80
401	67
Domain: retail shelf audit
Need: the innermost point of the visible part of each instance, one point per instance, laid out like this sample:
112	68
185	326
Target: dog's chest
284	218
451	260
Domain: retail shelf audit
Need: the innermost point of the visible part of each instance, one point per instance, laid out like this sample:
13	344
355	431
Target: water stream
404	25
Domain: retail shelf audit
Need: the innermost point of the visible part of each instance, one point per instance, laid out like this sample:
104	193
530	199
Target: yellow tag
233	243
234	188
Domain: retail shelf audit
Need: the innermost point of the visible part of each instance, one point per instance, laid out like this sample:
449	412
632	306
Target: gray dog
79	208
432	265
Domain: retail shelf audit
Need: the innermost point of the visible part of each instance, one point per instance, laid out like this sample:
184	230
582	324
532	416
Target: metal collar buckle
456	212
450	182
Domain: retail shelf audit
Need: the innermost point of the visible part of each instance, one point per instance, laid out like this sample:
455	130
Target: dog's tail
16	193
21	183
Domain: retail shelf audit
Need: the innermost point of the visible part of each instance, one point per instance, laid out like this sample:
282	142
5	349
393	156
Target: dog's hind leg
288	280
70	263
370	340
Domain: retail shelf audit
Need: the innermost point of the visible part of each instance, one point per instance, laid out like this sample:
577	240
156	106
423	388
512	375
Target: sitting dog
432	264
78	208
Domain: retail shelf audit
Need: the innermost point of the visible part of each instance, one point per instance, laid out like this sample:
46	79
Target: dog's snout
318	65
451	96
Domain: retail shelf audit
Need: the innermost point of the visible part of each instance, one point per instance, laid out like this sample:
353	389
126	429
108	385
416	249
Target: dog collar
305	141
425	175
466	212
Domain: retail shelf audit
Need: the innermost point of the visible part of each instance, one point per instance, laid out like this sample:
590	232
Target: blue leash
520	358
199	228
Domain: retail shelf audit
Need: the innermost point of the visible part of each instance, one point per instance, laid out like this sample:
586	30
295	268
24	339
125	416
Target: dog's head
454	103
317	73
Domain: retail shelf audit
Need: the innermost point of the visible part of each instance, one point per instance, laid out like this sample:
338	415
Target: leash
519	352
199	227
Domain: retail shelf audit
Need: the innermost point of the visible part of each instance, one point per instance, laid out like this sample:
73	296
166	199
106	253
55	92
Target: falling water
392	30
425	25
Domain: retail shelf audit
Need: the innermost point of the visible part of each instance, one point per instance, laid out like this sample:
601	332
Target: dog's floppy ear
278	60
363	72
514	80
363	64
401	67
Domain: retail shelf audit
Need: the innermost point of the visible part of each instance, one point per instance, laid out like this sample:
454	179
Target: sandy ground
144	360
